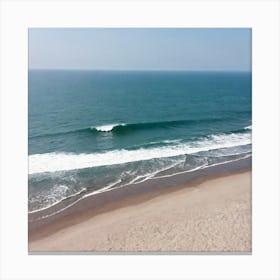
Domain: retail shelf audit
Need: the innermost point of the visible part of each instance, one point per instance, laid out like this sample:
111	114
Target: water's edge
67	212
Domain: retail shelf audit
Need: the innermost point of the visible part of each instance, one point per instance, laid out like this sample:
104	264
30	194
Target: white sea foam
149	175
107	127
172	141
51	162
58	201
164	141
249	127
109	187
103	189
201	167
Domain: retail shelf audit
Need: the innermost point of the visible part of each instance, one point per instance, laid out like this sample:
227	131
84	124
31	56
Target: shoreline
129	196
73	206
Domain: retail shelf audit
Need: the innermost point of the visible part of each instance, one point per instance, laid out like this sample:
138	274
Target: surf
53	162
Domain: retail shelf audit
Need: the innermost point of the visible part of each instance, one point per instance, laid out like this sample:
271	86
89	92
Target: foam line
52	162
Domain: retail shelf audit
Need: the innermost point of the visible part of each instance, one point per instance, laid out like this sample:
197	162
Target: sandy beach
209	216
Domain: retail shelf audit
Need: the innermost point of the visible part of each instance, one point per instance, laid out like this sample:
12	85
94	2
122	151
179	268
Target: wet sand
212	214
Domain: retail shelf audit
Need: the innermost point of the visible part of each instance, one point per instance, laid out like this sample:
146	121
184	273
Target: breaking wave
52	162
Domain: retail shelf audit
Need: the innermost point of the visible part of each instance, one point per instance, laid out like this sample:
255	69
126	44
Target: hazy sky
140	48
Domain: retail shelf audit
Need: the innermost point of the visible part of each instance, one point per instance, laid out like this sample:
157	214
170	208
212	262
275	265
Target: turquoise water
90	131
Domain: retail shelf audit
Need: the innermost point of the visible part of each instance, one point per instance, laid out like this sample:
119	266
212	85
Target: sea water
92	131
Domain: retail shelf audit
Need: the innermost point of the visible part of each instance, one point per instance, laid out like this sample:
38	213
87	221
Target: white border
262	16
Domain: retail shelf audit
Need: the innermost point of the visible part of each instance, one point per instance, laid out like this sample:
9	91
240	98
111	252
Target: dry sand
213	216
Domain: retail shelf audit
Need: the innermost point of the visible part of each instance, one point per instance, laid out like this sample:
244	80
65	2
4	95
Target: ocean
94	131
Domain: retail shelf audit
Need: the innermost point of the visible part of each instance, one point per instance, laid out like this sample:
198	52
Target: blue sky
195	49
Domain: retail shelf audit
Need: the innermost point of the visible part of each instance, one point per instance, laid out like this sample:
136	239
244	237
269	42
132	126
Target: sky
193	49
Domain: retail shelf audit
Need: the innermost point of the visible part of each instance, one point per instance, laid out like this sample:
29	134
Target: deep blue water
92	130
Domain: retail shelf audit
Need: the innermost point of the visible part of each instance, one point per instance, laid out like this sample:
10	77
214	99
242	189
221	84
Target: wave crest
107	127
52	162
124	128
130	127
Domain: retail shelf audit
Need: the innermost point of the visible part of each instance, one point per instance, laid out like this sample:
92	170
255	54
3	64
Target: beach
209	215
